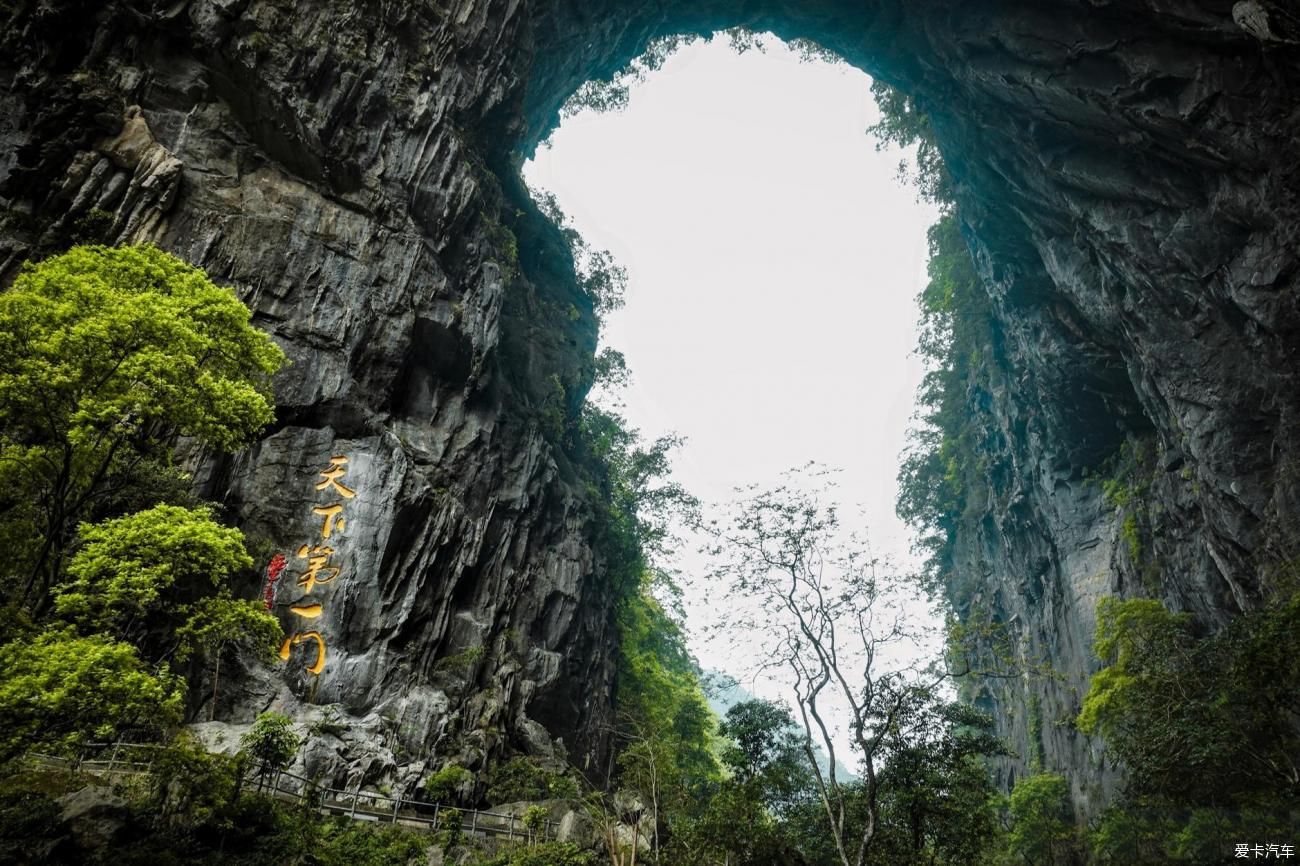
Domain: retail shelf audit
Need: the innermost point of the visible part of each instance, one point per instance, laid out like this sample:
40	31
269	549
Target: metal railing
358	805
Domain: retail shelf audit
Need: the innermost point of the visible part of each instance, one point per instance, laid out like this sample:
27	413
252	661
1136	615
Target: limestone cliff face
329	162
1126	176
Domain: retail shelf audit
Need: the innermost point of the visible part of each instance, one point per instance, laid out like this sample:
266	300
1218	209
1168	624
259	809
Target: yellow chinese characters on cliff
317	557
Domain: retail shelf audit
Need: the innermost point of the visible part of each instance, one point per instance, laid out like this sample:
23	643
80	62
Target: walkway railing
137	758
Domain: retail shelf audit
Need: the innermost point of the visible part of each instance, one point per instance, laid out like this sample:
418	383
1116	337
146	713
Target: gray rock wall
1126	176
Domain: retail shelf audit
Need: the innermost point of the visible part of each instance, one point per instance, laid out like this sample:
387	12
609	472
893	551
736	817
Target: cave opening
774	255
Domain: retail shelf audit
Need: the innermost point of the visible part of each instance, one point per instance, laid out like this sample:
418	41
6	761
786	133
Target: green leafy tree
666	730
1132	832
106	356
735	826
659	695
1042	832
220	624
535	819
766	751
130	574
938	803
59	690
160	579
600	277
824	614
1179	707
271	743
750	816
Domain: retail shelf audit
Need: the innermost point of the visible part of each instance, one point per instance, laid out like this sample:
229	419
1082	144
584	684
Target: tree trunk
216	675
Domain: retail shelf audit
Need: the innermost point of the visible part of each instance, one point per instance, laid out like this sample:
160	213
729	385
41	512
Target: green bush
271	743
444	786
522	778
191	786
545	854
1180	708
450	829
351	843
1042	832
59	691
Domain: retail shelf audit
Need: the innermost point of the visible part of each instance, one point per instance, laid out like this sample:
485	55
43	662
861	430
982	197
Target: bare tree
646	766
823	613
611	814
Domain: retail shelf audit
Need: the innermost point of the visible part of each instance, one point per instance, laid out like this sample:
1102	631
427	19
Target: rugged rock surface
1126	176
94	816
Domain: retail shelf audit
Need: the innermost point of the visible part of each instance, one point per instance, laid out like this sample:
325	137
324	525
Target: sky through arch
773	261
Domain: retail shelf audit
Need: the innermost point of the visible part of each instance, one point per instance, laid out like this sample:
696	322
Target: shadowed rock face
1126	179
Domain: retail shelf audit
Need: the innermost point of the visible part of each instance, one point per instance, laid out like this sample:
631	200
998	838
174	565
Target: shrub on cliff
523	778
445	786
1180	709
271	743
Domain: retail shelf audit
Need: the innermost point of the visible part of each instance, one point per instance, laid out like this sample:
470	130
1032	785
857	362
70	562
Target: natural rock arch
1126	177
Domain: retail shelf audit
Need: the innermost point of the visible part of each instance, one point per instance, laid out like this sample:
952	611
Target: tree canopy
130	569
1178	708
60	690
106	356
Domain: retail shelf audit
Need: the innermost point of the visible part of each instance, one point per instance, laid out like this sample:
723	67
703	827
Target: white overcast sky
773	264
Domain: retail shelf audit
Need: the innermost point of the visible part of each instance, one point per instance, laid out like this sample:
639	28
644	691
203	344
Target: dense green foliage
106	356
544	854
746	816
130	574
1180	708
936	802
660	699
1042	830
227	826
144	594
942	473
946	473
445	786
939	804
59	690
763	744
522	778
